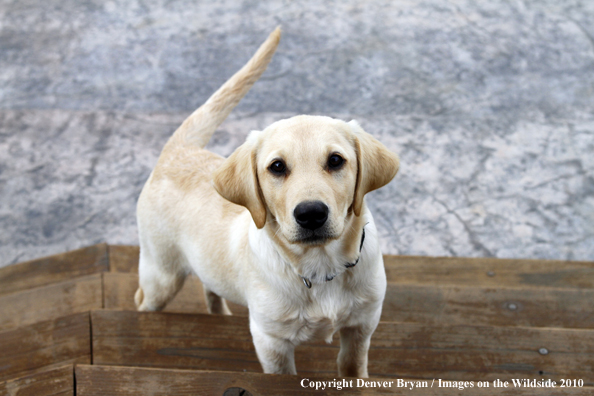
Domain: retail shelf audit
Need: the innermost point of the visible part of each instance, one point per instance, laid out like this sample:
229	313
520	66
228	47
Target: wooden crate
67	324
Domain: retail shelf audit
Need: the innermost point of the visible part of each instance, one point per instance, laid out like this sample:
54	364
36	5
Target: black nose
311	215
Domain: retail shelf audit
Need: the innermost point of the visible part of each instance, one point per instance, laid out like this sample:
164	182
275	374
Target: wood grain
132	381
208	342
104	380
196	342
495	306
427	304
120	289
489	272
52	301
46	345
482	352
57	268
123	258
55	382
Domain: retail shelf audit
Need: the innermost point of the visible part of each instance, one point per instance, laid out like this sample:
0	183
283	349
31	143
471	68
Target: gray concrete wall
489	104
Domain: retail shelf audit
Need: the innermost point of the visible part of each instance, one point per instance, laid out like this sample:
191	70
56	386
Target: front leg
276	355
354	346
356	337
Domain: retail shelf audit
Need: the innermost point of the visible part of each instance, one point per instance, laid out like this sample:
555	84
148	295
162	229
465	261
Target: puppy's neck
318	264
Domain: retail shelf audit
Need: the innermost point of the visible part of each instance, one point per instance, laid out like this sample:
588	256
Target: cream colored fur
230	221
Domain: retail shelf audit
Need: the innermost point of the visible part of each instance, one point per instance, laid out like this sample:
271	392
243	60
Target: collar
307	282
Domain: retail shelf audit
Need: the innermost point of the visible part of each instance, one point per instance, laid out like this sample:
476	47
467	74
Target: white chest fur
291	311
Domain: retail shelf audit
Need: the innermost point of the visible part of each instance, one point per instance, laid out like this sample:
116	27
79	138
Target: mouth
313	240
313	237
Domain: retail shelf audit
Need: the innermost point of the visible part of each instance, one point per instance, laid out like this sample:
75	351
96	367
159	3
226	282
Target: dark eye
335	162
278	167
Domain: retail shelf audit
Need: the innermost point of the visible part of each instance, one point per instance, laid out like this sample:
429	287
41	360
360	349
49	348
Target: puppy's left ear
237	181
376	165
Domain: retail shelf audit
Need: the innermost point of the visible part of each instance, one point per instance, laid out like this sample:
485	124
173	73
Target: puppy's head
306	175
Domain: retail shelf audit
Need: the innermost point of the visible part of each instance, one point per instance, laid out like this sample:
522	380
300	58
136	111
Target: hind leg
160	277
215	303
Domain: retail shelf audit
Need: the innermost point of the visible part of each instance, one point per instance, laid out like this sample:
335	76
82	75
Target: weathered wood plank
128	381
120	289
218	342
105	380
51	301
42	346
482	352
490	272
528	307
54	382
208	342
426	304
52	269
123	258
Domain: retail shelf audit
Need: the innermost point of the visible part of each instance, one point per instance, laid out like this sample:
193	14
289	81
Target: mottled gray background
489	104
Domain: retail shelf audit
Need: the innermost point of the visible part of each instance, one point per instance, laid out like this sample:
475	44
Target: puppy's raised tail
198	128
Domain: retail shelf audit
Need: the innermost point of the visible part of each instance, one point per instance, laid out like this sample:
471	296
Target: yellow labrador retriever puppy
280	226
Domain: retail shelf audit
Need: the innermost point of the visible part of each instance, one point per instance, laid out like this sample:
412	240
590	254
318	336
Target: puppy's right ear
237	181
